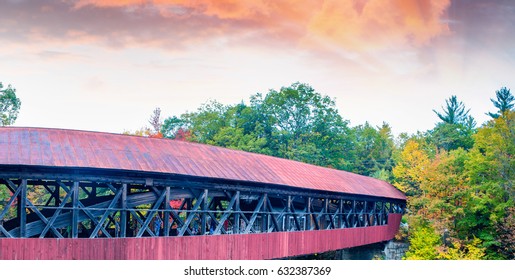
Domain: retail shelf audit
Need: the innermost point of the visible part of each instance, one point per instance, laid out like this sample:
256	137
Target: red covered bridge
88	195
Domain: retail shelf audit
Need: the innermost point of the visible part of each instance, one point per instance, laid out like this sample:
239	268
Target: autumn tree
466	195
424	242
410	170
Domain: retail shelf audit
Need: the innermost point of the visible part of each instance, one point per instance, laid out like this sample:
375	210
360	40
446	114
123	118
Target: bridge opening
60	206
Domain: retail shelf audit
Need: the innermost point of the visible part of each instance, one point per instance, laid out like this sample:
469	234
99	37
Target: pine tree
505	102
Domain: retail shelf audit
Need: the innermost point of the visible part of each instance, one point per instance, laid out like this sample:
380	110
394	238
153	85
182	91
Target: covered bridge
189	201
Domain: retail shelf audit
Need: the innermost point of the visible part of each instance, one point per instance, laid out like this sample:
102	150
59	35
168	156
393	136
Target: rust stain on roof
73	148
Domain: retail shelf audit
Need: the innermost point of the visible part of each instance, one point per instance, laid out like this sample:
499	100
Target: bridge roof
84	149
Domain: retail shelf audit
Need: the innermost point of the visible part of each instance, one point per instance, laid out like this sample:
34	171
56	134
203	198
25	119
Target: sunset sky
105	65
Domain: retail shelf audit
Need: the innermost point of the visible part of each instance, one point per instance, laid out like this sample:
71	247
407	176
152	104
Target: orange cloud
379	24
351	24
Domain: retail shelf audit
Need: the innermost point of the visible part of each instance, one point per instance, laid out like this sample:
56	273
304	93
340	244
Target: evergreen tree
454	111
457	126
505	102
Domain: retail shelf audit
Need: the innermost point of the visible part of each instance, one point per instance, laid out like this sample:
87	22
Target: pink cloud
346	25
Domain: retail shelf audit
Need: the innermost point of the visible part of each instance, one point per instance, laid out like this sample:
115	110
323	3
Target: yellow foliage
411	168
470	251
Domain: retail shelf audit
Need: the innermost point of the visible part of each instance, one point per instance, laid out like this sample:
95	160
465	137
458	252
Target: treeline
459	178
460	184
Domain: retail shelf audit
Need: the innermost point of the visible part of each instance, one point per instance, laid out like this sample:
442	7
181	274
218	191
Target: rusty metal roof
73	148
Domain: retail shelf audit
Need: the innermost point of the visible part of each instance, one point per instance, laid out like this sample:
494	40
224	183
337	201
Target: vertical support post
203	216
354	215
365	214
264	216
123	214
308	220
75	209
22	205
57	201
326	214
377	213
166	215
236	224
187	207
382	213
340	214
287	216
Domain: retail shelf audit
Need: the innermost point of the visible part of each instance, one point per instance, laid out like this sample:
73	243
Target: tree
295	122
410	169
206	122
493	156
471	250
505	231
9	105
173	127
454	111
463	190
505	102
152	132
155	120
301	124
452	136
491	171
373	149
424	242
457	127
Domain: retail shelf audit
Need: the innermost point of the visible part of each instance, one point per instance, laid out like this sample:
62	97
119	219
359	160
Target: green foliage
456	129
373	149
504	103
452	136
302	125
493	155
454	112
5	195
171	126
295	122
9	105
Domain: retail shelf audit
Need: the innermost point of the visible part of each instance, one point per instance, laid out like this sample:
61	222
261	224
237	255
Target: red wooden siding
221	247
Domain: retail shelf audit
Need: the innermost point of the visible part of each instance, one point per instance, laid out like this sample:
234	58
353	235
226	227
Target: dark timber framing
85	203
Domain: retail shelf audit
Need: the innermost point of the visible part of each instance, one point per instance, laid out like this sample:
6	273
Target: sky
105	65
